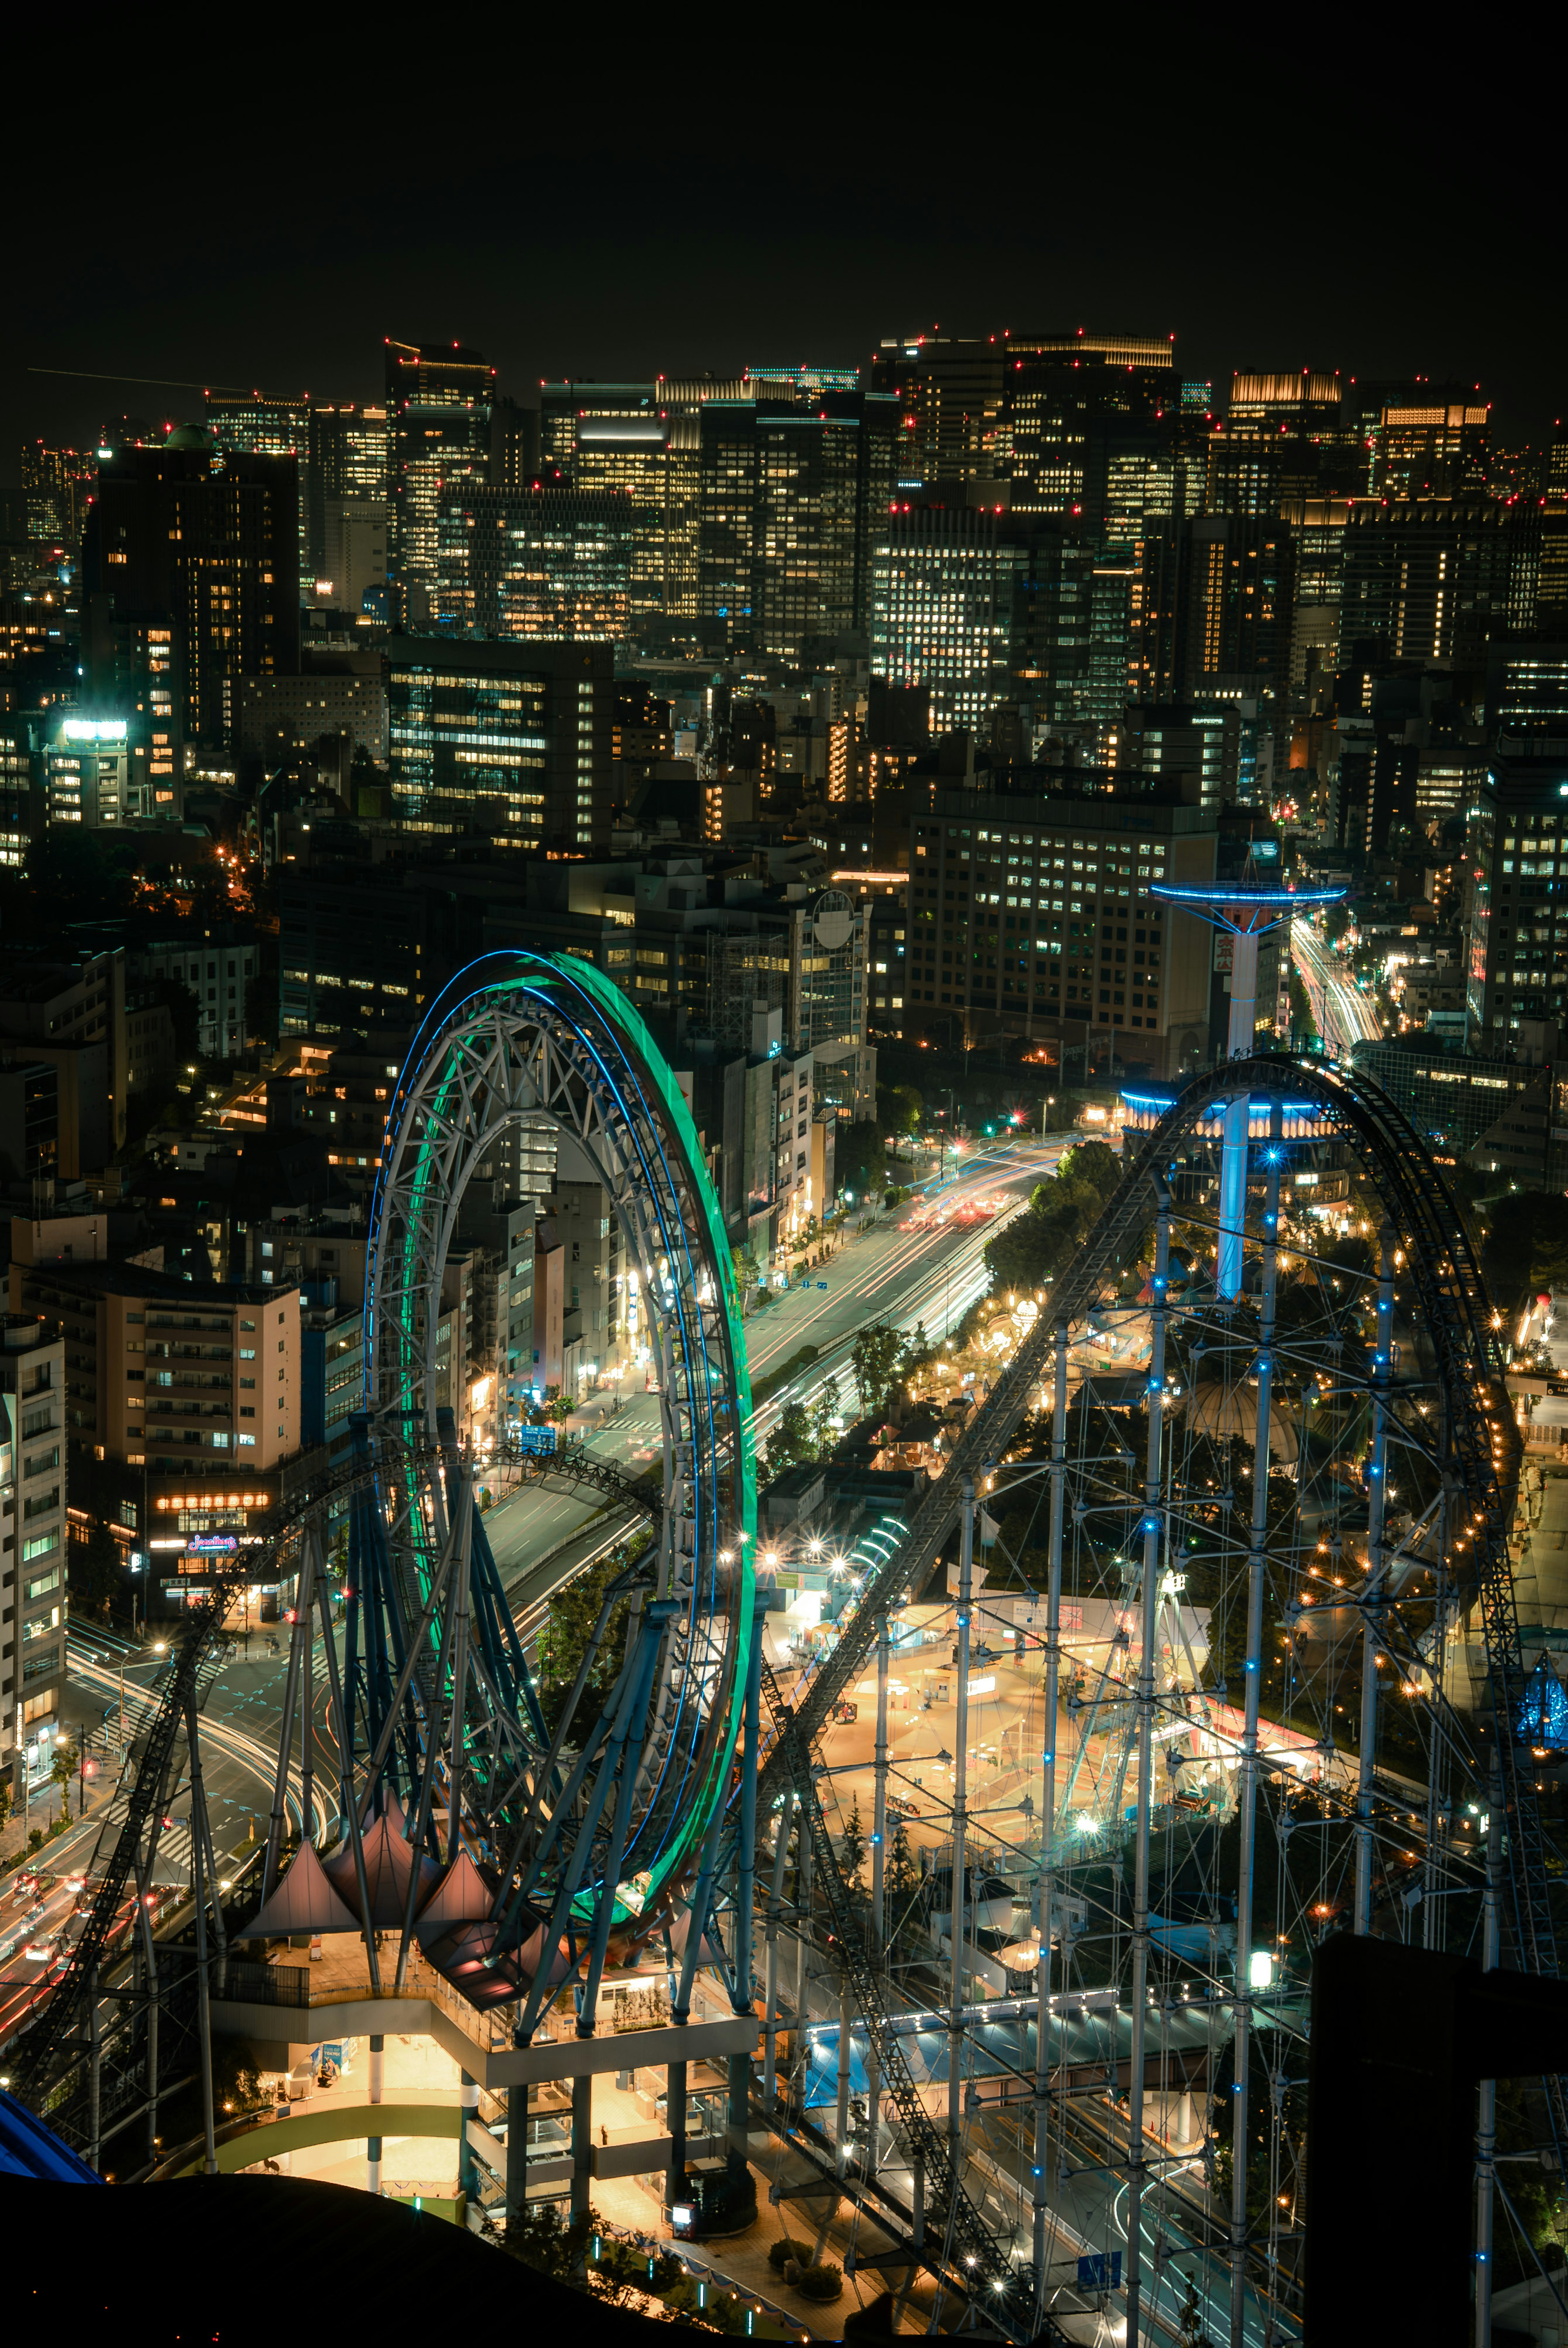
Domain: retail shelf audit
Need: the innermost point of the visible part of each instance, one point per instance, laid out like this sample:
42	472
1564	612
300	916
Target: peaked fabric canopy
389	1858
303	1901
463	1953
461	1897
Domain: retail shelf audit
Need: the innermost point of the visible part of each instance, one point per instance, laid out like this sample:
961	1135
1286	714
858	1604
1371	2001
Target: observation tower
1246	911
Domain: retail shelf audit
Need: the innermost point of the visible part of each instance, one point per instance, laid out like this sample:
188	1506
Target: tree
548	2244
876	1359
746	1275
1061	1214
900	1108
5	1801
793	1443
568	1626
824	1432
62	1770
854	1841
1192	2333
901	1876
859	1159
95	1568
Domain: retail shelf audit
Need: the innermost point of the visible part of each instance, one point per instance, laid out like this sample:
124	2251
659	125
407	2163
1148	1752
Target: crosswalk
174	1862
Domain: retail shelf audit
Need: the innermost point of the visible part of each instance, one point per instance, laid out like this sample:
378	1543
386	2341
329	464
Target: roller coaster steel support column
770	1987
958	1899
1252	1674
745	1896
1372	1599
877	1934
1045	1895
879	1797
1148	1659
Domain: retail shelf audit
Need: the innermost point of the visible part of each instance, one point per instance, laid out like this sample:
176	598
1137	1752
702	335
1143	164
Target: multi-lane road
1343	1014
922	1264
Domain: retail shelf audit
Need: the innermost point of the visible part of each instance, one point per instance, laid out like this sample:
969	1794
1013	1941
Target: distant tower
1245	910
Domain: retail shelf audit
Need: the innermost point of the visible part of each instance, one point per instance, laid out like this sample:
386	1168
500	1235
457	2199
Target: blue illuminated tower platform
1246	910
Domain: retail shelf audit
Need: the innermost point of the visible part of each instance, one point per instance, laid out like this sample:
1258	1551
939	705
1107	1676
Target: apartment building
34	1544
185	1394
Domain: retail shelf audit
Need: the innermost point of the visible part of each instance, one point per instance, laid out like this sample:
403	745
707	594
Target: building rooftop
130	1280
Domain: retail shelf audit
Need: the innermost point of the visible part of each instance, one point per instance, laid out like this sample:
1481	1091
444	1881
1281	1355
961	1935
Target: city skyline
1273	211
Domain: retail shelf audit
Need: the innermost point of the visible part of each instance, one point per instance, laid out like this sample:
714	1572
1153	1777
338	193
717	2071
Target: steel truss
592	1833
515	1036
1467	1442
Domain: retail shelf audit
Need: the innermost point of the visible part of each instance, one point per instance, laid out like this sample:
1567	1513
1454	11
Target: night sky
266	218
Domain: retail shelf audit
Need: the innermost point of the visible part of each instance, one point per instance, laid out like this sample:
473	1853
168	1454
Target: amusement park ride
1317	1433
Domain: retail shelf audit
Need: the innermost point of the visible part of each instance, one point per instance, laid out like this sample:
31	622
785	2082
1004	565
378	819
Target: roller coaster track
43	2042
1484	1457
958	2247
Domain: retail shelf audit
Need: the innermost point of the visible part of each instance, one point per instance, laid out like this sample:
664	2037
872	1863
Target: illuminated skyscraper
949	390
978	606
791	501
1072	406
641	441
254	423
514	739
57	486
196	549
549	562
1434	451
347	505
439	400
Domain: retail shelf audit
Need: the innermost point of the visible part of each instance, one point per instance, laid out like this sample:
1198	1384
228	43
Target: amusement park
1052	1901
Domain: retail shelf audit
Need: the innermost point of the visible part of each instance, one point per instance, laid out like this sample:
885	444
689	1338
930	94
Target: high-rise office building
255	424
440	401
1032	915
1517	843
196	548
550	560
510	738
612	441
56	489
1435	579
949	390
347	506
792	499
972	606
1318	527
1072	406
1284	437
641	441
1439	451
942	602
1217	599
1369	401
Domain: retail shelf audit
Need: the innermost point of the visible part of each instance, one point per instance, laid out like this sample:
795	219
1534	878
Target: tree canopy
1061	1214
